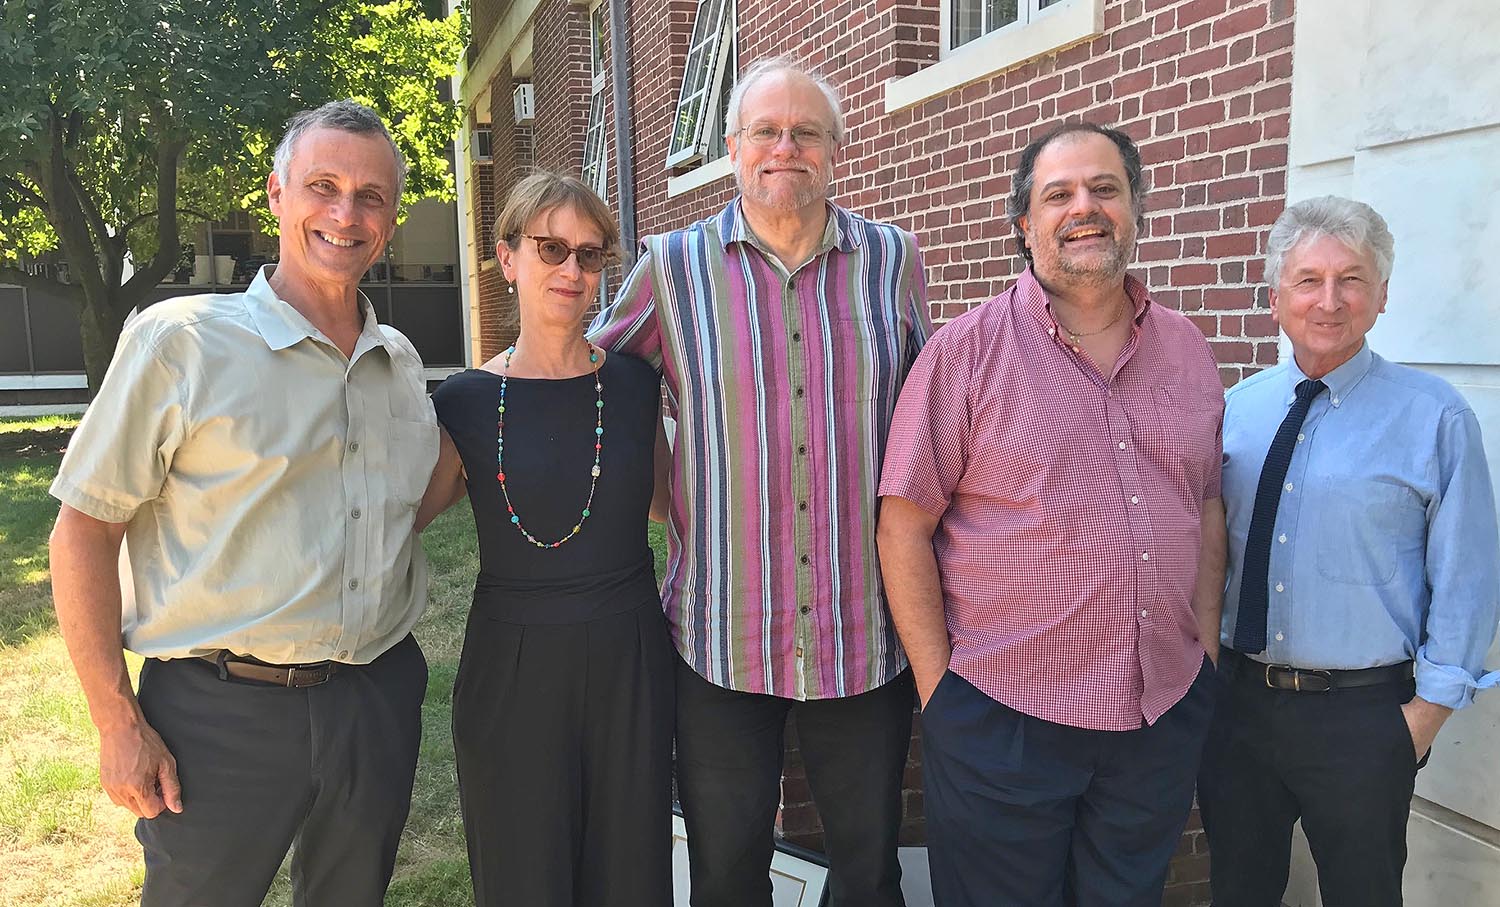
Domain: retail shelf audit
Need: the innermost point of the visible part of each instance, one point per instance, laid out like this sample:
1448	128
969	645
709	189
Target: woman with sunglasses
562	708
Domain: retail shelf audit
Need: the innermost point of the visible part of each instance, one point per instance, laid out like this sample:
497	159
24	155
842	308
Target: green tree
124	122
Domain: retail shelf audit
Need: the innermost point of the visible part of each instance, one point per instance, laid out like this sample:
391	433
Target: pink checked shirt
1070	504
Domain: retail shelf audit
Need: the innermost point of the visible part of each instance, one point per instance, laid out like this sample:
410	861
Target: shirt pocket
1364	527
411	452
1187	433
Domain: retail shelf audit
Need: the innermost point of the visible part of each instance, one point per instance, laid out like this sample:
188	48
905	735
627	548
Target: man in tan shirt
261	456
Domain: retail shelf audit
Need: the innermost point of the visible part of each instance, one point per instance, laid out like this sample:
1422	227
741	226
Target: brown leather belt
1313	680
291	676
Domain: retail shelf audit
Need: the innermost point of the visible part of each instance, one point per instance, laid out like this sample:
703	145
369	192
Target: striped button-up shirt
783	385
1070	503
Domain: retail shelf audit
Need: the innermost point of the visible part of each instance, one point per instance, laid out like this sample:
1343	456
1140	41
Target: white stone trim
1053	28
703	175
42	382
499	45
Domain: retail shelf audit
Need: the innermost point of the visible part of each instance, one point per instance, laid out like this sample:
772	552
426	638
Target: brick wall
1203	85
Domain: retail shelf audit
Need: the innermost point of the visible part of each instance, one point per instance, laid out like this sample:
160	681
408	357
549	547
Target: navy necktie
1250	620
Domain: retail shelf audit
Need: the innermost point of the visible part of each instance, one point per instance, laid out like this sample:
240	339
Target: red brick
1194	171
1205	60
1198	10
1276	97
1194	275
1239	78
1231	245
1170	97
1200	115
1240	22
1227	298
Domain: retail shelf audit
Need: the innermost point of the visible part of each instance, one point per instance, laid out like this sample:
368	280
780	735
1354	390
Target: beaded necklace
598	446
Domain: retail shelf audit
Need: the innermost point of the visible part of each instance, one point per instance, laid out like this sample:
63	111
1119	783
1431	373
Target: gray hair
774	66
1355	224
348	116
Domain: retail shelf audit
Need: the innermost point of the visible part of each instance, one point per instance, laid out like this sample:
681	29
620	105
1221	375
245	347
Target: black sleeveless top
549	454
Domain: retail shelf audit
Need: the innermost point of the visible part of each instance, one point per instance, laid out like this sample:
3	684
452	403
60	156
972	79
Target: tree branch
151	215
111	251
25	192
65	215
168	243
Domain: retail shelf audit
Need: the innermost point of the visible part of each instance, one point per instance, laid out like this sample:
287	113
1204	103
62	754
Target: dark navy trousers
1023	812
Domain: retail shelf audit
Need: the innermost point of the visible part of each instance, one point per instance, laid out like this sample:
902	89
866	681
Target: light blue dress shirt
1385	547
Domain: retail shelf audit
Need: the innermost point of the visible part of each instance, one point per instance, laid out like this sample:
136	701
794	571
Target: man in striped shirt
783	326
1053	545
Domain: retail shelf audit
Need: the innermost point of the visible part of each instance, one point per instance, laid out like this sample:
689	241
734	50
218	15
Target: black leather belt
1313	680
292	676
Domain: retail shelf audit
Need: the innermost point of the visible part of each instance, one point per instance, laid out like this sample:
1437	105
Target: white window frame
595	166
1026	12
1035	32
706	76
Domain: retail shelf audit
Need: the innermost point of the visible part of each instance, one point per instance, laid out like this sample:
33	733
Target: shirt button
1280	587
805	559
1135	499
796	336
344	654
1301	436
1279	637
354	447
1335	401
806	609
801	505
801	449
354	584
1289	486
1051	332
354	513
799	391
1143	612
1145	555
1282	538
1122	445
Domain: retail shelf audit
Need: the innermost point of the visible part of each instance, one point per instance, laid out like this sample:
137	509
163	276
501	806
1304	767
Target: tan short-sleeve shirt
269	484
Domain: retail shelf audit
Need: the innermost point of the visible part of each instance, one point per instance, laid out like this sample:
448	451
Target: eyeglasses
804	135
554	252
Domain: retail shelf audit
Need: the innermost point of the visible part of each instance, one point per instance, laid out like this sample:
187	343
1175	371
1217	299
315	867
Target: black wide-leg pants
563	737
729	761
1341	761
263	768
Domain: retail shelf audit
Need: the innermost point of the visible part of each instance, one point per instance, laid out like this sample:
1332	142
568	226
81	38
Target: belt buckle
1326	678
291	676
1304	680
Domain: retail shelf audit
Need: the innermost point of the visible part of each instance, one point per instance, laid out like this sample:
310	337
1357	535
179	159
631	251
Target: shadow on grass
25	520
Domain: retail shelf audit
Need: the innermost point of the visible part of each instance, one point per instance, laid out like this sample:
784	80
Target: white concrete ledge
1054	28
42	382
711	172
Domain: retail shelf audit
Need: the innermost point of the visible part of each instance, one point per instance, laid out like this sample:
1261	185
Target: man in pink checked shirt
1052	542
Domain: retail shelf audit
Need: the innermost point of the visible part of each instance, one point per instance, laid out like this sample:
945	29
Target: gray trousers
327	768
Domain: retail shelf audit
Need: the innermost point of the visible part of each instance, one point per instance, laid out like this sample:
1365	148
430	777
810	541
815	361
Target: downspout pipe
619	79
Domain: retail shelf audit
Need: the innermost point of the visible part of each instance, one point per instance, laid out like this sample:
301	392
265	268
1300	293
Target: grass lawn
62	843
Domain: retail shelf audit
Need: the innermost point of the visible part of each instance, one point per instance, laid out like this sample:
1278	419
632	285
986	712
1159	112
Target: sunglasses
554	252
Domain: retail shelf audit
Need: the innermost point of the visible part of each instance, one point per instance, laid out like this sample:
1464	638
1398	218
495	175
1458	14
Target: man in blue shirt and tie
1363	583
